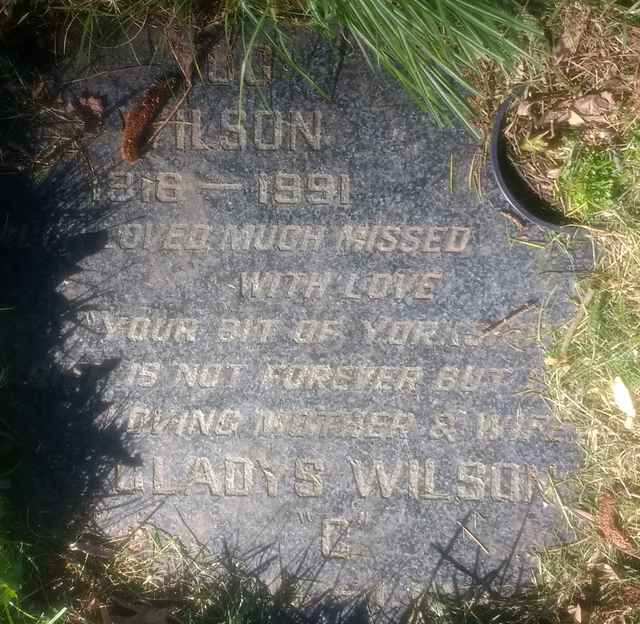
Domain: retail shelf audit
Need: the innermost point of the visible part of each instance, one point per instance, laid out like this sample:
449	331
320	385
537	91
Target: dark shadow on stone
501	593
63	448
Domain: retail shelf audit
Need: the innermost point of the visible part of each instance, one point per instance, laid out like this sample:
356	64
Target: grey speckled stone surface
300	307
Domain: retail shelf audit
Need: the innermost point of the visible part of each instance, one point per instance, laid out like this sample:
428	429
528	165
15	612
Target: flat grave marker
329	358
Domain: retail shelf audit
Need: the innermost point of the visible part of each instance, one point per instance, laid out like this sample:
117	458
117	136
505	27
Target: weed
589	184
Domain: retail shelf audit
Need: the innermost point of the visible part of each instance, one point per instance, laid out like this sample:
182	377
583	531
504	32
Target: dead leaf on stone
94	104
137	129
88	109
91	110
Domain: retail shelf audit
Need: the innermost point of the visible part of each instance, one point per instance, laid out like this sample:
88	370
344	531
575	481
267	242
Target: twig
525	307
168	118
472	537
509	216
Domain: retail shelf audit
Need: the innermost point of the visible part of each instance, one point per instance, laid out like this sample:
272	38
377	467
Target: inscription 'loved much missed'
201	237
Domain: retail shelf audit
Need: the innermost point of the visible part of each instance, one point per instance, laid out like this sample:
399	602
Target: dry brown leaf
608	525
93	103
592	105
524	109
138	121
574	120
580	614
599	567
555	117
631	595
608	96
91	110
566	45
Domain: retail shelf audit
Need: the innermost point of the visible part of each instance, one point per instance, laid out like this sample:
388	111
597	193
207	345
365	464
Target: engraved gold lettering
334	532
169	187
201	473
444	427
247	330
144	373
391	285
120	186
357	378
489	427
470	483
160	486
505	482
238	479
308	481
260	285
195	136
409	239
128	480
271	479
365	477
220	65
311	132
470	378
422	480
274	119
207	375
458	239
288	188
233	124
311	331
131	235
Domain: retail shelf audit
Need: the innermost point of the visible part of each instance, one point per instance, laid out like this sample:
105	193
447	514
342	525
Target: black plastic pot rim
522	198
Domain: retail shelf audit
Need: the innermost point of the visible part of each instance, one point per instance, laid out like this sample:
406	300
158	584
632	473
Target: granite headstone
328	345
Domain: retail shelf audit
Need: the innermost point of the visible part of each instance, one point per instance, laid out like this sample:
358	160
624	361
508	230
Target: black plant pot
523	199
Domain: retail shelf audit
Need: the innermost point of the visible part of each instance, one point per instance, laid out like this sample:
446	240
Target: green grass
429	46
589	184
599	185
603	343
16	570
